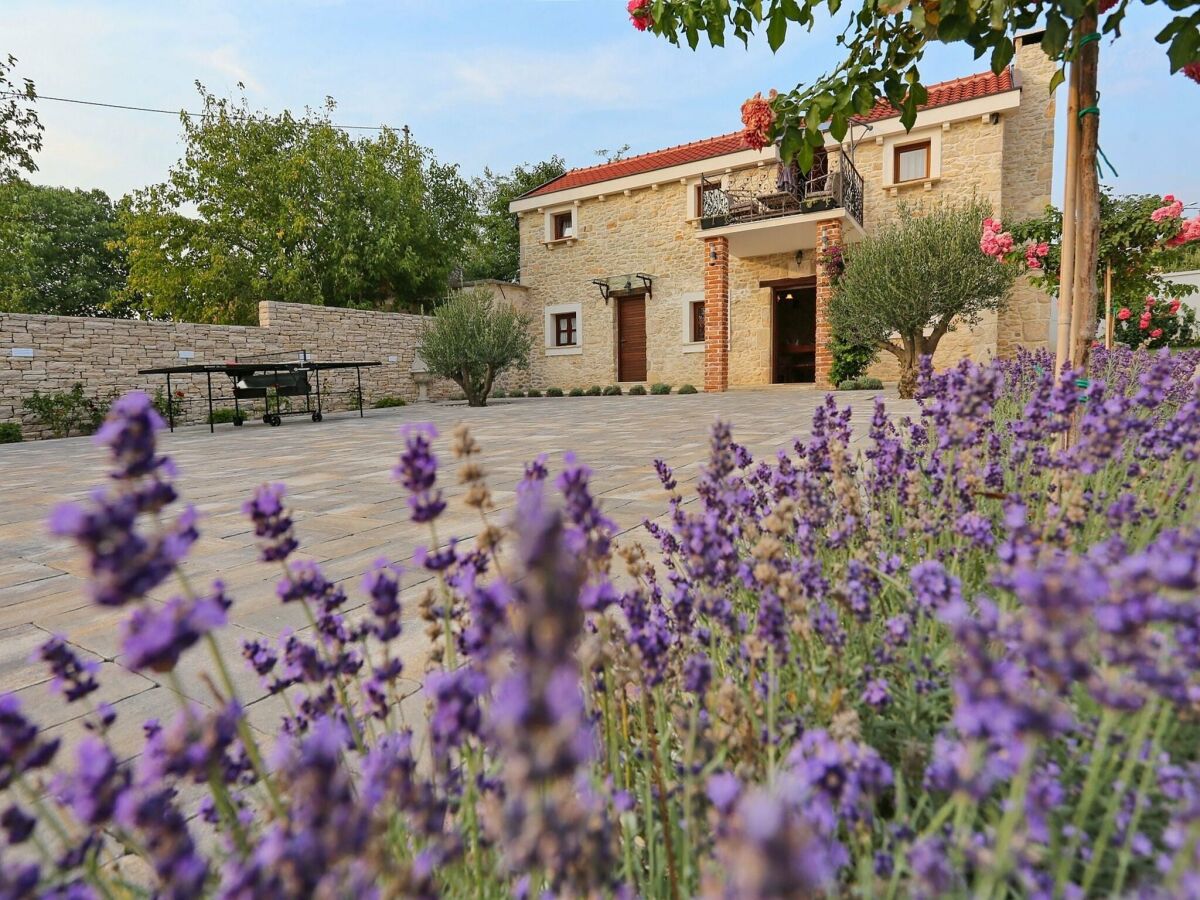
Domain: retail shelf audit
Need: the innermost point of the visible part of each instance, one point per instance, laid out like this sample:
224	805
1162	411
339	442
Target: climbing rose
639	14
1173	307
1189	232
758	117
1144	321
1171	209
1156	333
1034	254
1124	313
996	242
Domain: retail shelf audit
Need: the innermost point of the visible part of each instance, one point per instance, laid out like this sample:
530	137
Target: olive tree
915	279
471	339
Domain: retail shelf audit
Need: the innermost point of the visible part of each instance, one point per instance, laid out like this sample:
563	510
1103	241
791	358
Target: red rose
1124	313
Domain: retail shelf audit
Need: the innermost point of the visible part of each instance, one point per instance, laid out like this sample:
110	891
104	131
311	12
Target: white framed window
914	158
561	224
693	322
564	329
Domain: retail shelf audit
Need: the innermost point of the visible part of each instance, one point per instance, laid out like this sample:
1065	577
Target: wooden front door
631	338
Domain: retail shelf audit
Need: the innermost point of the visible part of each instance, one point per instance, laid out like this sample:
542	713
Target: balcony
773	210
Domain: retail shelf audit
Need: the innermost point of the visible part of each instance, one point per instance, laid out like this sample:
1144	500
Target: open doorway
794	333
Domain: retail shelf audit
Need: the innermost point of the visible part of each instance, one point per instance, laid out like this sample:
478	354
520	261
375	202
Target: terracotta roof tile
944	93
959	90
646	162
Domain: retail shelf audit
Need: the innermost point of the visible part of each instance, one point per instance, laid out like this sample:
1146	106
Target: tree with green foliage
59	253
910	282
885	44
471	339
20	130
495	250
279	207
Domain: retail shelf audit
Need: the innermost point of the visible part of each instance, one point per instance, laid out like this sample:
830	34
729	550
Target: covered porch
769	237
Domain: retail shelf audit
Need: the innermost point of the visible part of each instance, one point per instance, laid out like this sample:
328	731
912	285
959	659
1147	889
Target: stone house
703	263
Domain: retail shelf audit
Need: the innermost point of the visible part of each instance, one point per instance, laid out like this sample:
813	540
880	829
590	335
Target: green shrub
533	392
637	391
10	433
222	416
65	412
554	392
850	360
613	390
870	384
575	392
516	393
593	391
387	401
660	388
688	389
498	394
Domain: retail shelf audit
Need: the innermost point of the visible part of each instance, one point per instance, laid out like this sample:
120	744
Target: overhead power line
178	112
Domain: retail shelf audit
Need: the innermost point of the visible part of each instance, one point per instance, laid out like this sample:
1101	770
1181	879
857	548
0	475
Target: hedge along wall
105	354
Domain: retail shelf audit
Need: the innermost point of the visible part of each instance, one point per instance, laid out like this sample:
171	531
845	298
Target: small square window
564	225
912	162
564	329
697	322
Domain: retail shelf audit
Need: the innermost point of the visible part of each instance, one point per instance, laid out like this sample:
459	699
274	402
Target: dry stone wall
52	353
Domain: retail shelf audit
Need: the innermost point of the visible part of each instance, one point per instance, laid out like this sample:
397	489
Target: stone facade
105	354
998	149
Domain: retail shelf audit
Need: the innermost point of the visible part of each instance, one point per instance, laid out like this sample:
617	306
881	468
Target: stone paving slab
348	511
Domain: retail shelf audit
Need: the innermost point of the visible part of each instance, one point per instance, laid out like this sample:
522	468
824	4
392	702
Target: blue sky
484	82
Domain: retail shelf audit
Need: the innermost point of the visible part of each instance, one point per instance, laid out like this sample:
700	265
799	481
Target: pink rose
1171	209
1156	333
1144	321
1124	313
1173	307
1149	302
639	14
1189	232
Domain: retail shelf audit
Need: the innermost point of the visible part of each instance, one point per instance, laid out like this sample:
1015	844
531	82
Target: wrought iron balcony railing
781	191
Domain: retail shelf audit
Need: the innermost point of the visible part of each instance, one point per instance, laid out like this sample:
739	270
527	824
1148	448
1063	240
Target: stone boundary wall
105	354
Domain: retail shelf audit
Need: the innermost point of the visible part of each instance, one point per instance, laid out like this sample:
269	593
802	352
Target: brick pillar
829	234
716	314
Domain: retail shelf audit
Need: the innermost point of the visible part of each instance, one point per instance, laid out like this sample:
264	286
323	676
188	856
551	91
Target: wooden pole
1109	324
1066	275
1087	200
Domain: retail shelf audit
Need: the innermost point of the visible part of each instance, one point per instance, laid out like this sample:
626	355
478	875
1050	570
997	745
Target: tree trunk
908	370
1087	234
1066	274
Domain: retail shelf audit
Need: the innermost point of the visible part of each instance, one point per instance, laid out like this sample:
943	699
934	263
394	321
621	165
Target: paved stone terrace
348	512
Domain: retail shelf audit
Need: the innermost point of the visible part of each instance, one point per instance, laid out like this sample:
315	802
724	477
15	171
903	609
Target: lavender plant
961	661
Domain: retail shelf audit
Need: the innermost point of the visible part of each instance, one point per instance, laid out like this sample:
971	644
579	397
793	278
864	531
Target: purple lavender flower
94	786
154	816
417	472
697	674
382	582
73	678
933	587
272	522
21	748
456	712
17	824
154	637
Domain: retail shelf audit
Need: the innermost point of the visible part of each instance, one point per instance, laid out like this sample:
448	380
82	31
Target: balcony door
794	332
631	338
